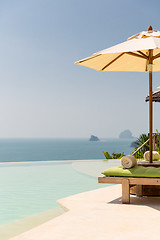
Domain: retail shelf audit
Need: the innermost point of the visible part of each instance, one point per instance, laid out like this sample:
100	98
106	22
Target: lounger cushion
137	171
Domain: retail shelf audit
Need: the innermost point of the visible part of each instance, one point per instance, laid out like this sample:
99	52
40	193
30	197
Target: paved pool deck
100	215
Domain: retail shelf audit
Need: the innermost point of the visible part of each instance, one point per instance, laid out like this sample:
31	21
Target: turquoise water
14	150
30	184
31	188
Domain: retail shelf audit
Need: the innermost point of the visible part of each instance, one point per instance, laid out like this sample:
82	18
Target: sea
35	173
19	150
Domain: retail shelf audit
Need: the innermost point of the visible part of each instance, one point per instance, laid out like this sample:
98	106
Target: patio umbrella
155	97
140	53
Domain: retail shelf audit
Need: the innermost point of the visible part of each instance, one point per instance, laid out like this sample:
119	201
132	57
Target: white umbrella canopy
131	55
140	53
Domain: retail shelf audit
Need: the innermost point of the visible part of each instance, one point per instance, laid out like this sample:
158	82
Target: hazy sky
42	92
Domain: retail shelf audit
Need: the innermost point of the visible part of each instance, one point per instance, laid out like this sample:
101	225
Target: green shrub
114	155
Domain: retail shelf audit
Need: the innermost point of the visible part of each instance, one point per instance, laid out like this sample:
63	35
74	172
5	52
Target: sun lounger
128	182
137	176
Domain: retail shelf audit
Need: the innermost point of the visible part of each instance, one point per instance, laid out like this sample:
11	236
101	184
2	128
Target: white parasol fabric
131	55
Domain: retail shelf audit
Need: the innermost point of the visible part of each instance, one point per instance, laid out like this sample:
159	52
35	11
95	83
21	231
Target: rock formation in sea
94	138
126	134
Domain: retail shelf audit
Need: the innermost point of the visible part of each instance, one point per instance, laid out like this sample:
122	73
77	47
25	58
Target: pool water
30	188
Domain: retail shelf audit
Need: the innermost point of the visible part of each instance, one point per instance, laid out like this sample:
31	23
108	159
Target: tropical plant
117	155
141	140
114	155
157	141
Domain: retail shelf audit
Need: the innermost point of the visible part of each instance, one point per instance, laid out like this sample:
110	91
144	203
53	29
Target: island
126	134
94	138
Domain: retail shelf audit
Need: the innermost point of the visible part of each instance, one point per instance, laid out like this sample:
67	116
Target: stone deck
100	215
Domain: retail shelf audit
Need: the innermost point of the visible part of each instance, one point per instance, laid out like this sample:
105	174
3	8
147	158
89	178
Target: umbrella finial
150	28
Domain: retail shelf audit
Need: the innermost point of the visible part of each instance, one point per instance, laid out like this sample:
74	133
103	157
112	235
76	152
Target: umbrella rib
137	55
156	56
86	59
112	61
143	54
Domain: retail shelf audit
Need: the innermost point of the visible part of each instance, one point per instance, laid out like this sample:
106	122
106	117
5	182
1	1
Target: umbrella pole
150	103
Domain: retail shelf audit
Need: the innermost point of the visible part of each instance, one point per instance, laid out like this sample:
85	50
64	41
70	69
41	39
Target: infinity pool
30	188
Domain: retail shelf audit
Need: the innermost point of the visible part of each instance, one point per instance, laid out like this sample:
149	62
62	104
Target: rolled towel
128	161
155	156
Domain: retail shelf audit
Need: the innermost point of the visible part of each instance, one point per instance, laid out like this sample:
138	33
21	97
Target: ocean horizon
51	149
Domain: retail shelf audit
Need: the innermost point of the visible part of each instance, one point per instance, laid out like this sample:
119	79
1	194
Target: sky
44	95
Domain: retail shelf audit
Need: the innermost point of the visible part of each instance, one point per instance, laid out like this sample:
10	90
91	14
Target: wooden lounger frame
128	182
